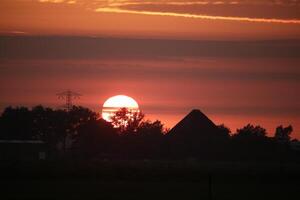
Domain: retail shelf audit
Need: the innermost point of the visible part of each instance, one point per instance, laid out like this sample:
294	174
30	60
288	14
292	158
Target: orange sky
236	60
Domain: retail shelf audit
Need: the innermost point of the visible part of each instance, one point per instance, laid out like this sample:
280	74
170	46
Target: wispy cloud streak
129	7
198	16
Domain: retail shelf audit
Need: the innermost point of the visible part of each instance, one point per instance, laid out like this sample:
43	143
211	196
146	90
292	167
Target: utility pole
68	96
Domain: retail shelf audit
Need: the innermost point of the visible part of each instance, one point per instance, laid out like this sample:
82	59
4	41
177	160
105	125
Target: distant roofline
22	141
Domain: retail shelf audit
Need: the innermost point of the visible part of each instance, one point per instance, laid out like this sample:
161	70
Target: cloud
226	110
259	11
58	1
96	48
197	16
14	32
265	11
52	1
176	3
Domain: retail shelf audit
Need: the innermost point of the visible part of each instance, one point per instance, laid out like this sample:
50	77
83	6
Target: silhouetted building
295	145
196	136
25	150
195	123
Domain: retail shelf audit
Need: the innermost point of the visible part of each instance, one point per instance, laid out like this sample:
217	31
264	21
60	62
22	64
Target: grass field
97	189
136	181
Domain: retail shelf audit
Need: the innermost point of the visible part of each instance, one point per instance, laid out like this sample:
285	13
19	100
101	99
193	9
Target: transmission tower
69	96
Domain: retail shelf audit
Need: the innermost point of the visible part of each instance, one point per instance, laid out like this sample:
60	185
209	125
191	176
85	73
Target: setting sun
148	99
112	104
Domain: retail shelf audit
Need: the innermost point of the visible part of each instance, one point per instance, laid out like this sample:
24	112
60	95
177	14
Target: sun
113	104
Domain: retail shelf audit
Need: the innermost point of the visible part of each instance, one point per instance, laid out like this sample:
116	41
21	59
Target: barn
196	136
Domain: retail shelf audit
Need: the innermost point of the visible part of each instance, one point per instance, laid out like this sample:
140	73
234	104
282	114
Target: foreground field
134	180
97	189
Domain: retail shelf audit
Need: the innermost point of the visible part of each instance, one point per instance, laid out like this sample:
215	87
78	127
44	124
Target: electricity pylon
69	96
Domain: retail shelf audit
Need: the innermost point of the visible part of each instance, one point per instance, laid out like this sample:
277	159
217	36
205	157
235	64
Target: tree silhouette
16	123
150	135
138	137
127	121
251	143
151	129
95	137
129	135
224	130
40	123
282	134
251	131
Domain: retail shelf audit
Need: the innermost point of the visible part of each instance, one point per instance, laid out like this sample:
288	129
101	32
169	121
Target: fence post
210	192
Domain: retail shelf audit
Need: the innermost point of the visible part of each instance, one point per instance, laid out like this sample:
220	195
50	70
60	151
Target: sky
235	60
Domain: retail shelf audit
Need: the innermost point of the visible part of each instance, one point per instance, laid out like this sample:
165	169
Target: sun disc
113	104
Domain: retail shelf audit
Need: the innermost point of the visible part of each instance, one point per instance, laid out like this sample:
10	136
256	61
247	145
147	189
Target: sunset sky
236	60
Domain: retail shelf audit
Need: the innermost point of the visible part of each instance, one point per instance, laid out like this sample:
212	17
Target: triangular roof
195	123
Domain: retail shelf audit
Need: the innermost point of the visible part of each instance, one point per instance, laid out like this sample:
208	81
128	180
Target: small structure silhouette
22	150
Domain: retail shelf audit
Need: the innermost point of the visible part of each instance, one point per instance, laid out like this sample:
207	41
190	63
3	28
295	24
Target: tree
95	137
127	121
251	143
251	131
79	115
150	138
16	124
224	130
45	123
138	137
41	123
282	134
151	129
69	121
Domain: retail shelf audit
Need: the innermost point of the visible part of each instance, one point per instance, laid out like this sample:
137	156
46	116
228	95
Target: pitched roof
195	123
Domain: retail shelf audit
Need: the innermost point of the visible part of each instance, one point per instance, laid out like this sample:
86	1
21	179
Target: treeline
81	134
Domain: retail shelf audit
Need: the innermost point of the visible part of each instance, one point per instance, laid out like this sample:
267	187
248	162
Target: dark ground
149	180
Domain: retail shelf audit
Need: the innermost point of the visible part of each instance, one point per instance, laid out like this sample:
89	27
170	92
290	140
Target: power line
68	96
